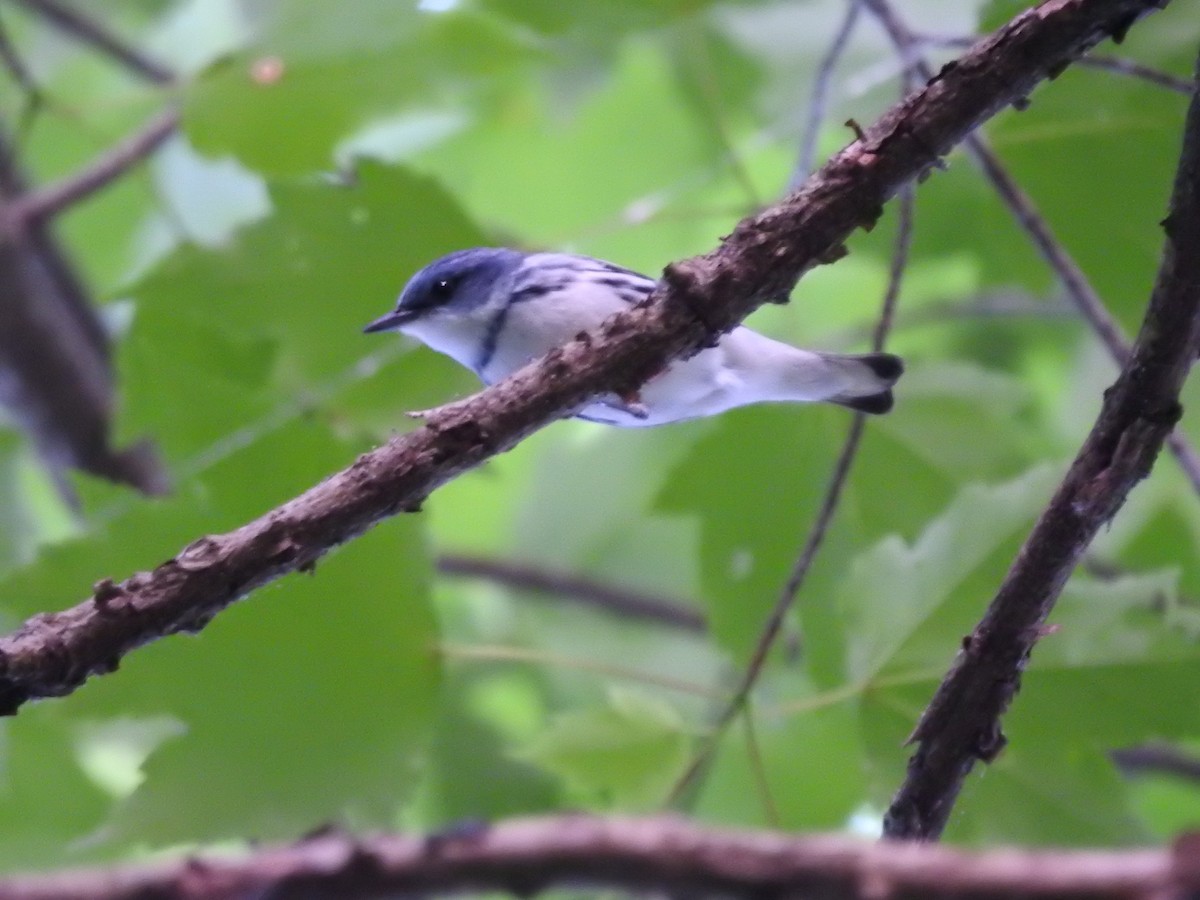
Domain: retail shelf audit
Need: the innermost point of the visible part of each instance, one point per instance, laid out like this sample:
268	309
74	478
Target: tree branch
667	856
1118	65
1157	759
55	375
46	202
1127	67
75	23
618	601
962	723
694	303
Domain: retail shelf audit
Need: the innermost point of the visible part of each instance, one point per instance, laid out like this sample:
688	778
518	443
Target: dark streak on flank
535	290
491	338
630	292
631	287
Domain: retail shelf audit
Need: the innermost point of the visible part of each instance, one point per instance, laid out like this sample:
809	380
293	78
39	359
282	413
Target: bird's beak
391	321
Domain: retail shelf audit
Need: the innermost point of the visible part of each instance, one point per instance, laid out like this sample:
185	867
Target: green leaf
906	607
609	472
1166	801
963	420
1111	645
1046	794
225	336
812	763
1112	120
624	755
313	75
1108	646
755	481
327	683
327	680
550	191
47	804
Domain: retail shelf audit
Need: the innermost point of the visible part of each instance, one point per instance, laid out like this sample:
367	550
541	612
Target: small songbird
493	310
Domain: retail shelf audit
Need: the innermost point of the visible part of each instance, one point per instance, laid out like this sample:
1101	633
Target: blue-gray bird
493	310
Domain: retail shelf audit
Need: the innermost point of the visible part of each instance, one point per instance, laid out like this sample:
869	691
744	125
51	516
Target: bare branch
1157	759
962	723
618	601
1121	66
80	26
696	301
663	856
47	202
55	375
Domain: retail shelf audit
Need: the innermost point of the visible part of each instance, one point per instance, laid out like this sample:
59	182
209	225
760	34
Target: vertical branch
962	723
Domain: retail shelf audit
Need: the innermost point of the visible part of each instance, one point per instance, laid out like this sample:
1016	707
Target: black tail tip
874	404
885	366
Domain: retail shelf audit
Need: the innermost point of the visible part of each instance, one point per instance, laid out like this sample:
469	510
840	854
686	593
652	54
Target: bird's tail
866	379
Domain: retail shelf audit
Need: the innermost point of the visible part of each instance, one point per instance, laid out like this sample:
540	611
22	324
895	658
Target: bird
494	309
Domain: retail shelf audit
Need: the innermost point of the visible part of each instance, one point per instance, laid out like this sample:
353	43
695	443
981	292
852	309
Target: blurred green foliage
327	152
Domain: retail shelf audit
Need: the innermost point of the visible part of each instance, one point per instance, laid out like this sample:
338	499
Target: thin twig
46	202
16	67
1119	65
985	306
820	527
1078	288
695	302
88	30
549	659
822	84
622	602
961	725
34	99
1157	759
758	771
900	254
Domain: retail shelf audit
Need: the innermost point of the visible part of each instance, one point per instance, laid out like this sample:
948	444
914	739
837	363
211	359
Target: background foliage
329	150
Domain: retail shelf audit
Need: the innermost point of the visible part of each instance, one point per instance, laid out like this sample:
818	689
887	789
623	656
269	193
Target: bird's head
454	286
448	304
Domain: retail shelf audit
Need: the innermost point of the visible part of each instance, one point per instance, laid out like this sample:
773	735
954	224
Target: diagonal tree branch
663	856
1118	65
695	302
86	29
46	202
962	723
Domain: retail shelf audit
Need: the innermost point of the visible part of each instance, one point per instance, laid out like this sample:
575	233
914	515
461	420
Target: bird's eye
443	289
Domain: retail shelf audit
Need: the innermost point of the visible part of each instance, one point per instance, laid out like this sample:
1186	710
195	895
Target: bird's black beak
391	321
